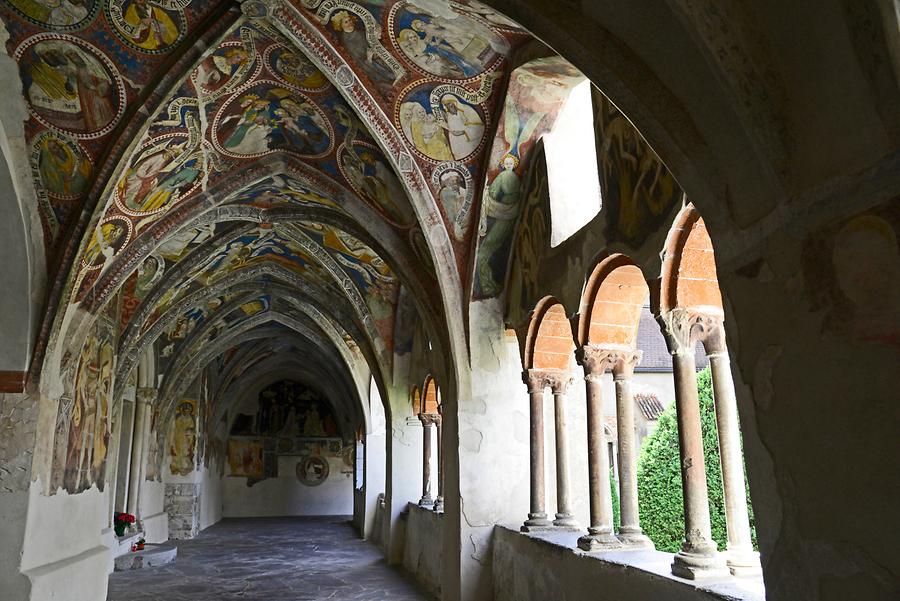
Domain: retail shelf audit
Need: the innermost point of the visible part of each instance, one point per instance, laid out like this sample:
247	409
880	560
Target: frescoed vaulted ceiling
221	170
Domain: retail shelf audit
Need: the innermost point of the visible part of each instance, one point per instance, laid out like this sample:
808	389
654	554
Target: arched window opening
429	413
571	156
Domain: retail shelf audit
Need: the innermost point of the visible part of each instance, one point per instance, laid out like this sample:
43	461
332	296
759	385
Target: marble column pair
601	536
698	557
537	381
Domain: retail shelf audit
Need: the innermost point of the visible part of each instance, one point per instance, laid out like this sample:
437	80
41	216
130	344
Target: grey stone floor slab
271	559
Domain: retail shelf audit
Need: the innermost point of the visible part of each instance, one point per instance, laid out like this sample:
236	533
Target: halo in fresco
151	26
293	68
225	68
438	41
61	165
370	175
59	15
70	85
110	236
164	170
268	116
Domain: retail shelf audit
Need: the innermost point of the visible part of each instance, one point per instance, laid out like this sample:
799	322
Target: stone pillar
742	560
559	383
600	537
630	532
182	505
698	557
537	516
439	500
427	424
144	398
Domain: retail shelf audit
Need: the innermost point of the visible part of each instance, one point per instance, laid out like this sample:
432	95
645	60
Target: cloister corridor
271	559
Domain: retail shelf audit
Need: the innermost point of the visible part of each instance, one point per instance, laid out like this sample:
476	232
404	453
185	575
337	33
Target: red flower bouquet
121	521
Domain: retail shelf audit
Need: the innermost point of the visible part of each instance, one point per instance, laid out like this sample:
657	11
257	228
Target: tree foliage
659	477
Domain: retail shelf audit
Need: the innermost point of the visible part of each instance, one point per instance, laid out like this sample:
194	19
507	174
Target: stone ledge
651	567
150	557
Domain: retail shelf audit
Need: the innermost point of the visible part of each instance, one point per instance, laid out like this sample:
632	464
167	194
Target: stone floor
270	559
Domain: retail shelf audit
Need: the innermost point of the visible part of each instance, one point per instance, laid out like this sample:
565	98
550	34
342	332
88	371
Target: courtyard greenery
659	477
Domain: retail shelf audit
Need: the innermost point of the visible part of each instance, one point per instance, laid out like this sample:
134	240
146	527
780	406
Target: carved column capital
597	360
428	419
624	369
146	395
684	328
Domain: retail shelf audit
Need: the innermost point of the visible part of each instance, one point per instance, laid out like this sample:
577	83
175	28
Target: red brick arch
689	277
415	399
430	396
550	343
612	302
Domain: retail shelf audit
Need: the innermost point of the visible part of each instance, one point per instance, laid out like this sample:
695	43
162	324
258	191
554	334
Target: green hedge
659	477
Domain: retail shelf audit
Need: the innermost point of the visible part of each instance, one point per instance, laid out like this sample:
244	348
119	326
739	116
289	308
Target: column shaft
537	516
742	560
135	476
564	517
698	555
600	532
439	500
426	500
630	529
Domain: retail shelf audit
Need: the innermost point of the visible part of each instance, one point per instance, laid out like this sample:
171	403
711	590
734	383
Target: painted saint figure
353	37
63	172
184	439
501	207
464	126
150	27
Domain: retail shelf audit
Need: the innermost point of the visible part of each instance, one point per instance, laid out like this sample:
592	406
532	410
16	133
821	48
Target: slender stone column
698	557
559	383
439	500
537	516
741	558
600	537
427	424
144	398
630	532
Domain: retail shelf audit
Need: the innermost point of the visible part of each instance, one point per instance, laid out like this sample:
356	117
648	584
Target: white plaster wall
375	467
152	509
66	558
285	495
210	496
422	551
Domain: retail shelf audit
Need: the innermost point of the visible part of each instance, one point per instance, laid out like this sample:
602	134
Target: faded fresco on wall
532	240
183	438
291	419
852	273
83	423
153	470
536	93
638	191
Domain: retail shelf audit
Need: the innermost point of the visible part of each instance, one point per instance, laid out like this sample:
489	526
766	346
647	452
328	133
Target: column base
743	563
699	566
439	504
635	541
595	541
426	502
536	522
566	521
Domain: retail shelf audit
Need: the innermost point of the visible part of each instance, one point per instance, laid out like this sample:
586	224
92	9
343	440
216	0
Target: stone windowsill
416	507
657	563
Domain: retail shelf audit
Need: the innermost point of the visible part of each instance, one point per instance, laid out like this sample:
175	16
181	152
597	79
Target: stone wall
422	552
183	507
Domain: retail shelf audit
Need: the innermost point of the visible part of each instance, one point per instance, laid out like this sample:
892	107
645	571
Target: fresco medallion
291	67
58	15
268	116
367	171
439	41
70	85
151	26
108	238
440	123
61	165
164	170
225	69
